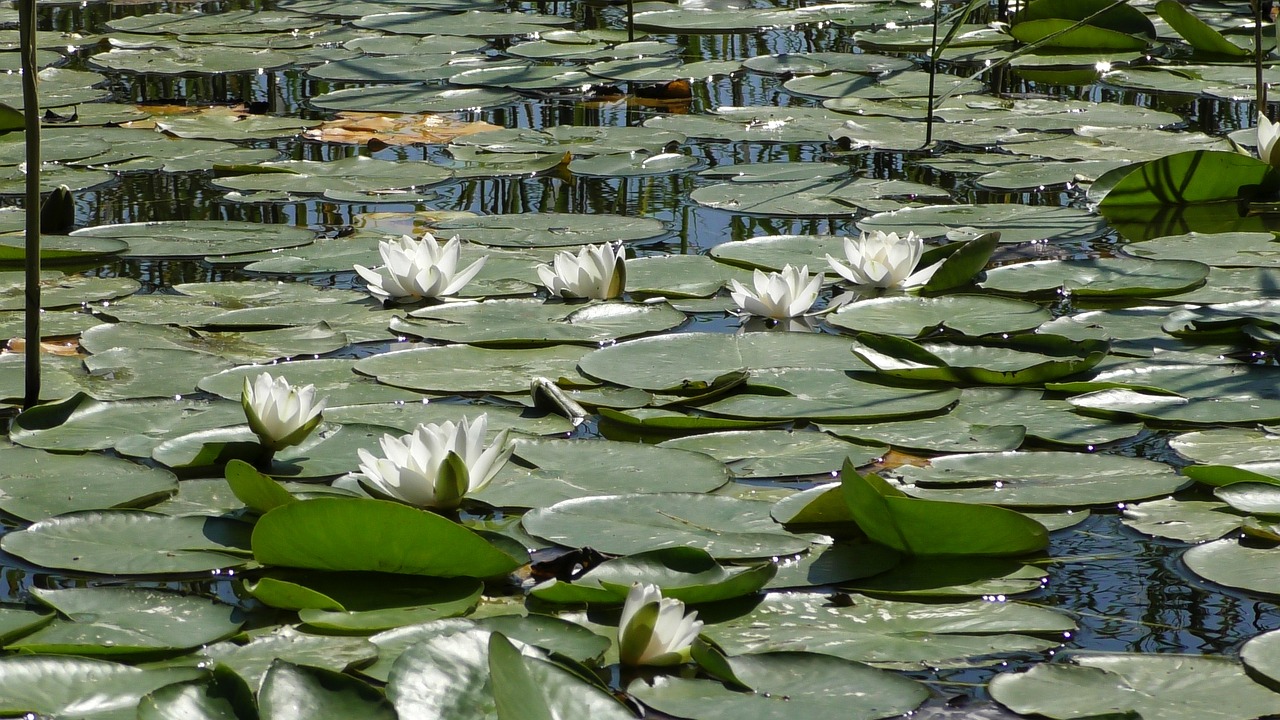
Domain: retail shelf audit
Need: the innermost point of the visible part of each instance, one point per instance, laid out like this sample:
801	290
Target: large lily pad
131	542
726	528
472	369
198	238
80	687
813	685
1040	479
778	453
35	484
534	323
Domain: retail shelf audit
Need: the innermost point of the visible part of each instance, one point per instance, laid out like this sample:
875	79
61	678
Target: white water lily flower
418	269
435	465
279	414
1268	135
778	295
654	630
883	260
598	272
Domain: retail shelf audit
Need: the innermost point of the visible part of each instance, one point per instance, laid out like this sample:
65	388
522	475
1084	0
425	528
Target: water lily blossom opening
597	272
655	630
883	260
1268	141
418	269
778	295
280	414
435	466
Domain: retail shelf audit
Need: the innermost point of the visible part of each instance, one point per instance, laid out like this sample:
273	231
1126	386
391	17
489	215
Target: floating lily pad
58	290
547	471
35	484
813	197
349	174
1189	521
1129	404
198	238
727	528
828	395
686	574
550	229
333	534
107	622
917	316
336	378
189	61
806	680
535	323
472	369
1101	277
251	660
888	631
51	685
1040	479
81	423
778	453
412	98
661	364
131	542
1015	223
1018	360
1146	685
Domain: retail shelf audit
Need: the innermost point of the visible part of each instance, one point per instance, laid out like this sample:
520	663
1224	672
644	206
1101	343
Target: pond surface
1122	582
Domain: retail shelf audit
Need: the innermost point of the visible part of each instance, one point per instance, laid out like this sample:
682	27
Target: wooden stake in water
1259	86
934	52
31	114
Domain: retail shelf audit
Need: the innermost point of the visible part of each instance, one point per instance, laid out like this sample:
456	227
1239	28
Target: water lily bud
435	466
279	414
655	630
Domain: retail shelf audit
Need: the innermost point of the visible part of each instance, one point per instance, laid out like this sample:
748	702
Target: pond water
1126	591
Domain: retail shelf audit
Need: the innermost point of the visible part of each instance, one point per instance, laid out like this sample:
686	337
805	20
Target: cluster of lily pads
255	497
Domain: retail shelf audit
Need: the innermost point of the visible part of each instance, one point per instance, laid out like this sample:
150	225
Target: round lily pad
1040	479
198	238
778	453
1015	223
1100	277
466	369
412	98
727	528
552	230
131	542
918	316
544	472
35	484
535	323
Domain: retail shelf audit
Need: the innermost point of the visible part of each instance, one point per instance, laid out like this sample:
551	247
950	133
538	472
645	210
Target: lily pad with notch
1017	360
689	575
535	323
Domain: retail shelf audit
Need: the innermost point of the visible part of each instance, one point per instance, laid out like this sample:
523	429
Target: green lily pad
198	238
726	528
689	575
945	578
888	631
1015	223
1100	277
813	197
336	378
250	347
1189	521
917	527
191	60
1145	685
251	660
35	484
1017	360
472	369
1227	446
81	423
778	453
131	542
1171	409
550	230
292	692
534	323
80	687
1040	479
549	471
545	631
917	316
827	395
411	99
335	533
58	290
106	622
661	364
351	174
806	680
1238	249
